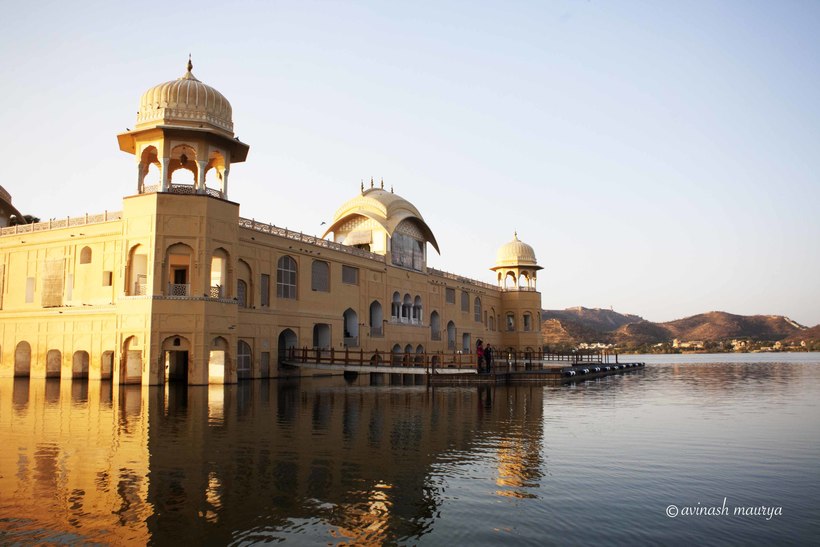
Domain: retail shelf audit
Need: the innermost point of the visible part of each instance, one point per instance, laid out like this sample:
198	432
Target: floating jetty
546	374
459	368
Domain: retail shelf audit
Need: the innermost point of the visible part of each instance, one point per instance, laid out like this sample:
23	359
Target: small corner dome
383	207
187	102
516	253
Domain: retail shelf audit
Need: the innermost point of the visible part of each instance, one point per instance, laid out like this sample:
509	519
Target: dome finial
382	185
190	64
362	186
515	235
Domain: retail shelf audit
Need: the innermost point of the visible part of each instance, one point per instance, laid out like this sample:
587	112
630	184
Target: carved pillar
164	183
225	172
200	176
141	169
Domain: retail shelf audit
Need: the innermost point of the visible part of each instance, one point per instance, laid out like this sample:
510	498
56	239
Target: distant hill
718	325
596	319
583	325
808	335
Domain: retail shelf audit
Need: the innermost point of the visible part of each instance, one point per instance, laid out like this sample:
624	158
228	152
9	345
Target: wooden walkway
459	368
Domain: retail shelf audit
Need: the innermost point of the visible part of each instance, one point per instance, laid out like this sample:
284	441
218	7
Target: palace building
177	286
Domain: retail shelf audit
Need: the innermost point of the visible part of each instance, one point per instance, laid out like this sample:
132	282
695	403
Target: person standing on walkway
488	357
479	350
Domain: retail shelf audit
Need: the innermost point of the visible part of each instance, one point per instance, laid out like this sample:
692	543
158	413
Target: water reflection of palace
74	460
260	461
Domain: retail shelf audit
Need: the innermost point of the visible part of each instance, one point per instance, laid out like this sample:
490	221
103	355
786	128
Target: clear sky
662	158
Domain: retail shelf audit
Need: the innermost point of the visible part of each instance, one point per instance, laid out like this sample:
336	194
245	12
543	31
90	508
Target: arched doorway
131	373
351	325
79	365
106	365
217	361
244	361
54	361
175	358
22	359
287	339
321	336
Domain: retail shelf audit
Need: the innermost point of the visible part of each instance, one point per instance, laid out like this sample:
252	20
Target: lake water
324	461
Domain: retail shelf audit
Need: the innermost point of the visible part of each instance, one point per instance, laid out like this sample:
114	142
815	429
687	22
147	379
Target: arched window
244	357
85	255
417	309
407	246
395	307
509	280
286	278
242	293
320	276
527	322
435	326
244	283
451	335
406	309
137	271
492	320
396	355
376	319
178	260
477	309
219	278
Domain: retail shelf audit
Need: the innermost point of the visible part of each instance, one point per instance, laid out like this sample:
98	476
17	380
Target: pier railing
507	359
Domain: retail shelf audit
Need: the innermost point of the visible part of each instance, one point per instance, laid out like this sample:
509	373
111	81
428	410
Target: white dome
516	253
185	101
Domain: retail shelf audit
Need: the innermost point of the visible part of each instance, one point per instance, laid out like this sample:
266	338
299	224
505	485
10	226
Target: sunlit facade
177	286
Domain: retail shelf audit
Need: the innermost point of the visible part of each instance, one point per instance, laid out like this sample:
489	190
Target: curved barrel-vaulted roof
386	209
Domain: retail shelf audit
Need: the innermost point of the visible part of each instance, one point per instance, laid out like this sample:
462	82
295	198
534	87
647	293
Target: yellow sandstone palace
179	287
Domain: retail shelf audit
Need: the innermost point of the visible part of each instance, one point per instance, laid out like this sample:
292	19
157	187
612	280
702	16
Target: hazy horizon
661	158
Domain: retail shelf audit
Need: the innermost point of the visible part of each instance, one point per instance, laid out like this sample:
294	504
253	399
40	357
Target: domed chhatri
516	266
185	101
516	253
184	125
378	216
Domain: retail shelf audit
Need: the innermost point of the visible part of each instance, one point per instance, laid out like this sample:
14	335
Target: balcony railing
179	289
215	292
54	224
